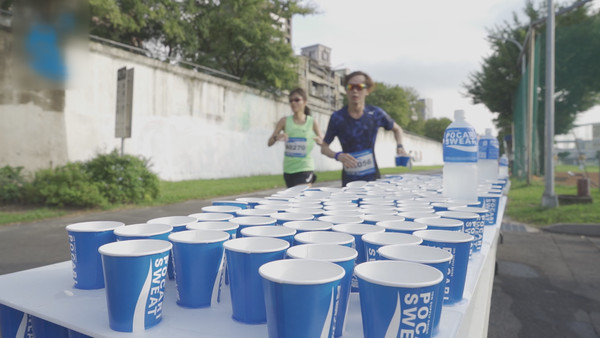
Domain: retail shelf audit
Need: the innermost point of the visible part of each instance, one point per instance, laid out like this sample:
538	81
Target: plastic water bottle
460	159
487	164
503	167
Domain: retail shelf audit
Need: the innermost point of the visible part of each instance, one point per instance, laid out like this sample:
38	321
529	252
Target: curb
590	230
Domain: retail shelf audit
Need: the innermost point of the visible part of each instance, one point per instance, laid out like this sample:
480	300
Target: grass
175	192
525	205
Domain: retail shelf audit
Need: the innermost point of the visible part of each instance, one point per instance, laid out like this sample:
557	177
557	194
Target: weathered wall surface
191	125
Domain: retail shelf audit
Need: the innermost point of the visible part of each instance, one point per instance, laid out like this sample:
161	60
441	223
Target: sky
432	46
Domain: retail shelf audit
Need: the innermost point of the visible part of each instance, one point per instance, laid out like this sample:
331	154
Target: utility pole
549	198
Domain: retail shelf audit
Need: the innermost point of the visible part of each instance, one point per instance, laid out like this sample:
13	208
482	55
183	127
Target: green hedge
104	180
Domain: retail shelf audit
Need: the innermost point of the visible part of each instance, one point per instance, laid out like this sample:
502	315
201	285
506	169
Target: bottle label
489	149
460	145
504	161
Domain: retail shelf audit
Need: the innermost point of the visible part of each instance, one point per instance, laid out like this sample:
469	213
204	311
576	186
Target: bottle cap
459	115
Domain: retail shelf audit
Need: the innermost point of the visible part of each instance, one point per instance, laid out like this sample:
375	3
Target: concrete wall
191	125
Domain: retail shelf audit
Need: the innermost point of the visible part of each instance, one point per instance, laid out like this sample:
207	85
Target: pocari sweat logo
460	145
489	149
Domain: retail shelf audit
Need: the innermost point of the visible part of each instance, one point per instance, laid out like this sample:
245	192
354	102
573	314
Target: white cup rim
267	231
221	226
401	225
211	216
292	216
440	222
341	219
135	248
199	236
308	225
253	220
383	217
322	252
324	237
458	214
444	236
254	212
143	229
476	210
94	226
389	238
398	274
357	228
301	272
250	245
418	254
220	208
174	221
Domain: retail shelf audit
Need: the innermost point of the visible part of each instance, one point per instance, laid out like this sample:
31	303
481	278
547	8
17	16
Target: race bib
295	147
365	165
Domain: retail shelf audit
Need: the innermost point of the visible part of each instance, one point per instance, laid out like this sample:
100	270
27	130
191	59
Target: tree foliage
577	82
241	37
434	128
401	103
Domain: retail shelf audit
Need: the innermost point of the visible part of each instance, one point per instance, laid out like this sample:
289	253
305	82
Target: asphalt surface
547	283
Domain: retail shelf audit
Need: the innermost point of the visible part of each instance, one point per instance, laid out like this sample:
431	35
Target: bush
69	185
124	179
11	185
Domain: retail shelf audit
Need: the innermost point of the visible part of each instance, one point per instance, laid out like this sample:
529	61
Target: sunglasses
295	100
359	86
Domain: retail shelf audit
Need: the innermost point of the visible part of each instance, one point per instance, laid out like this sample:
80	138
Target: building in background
322	83
426	111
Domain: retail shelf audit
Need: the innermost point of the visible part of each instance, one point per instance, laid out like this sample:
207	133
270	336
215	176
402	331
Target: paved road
547	284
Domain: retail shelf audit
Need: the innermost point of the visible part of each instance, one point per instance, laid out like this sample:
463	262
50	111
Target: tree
577	83
241	37
434	128
400	103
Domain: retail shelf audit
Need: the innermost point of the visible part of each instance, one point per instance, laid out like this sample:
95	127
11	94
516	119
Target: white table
47	292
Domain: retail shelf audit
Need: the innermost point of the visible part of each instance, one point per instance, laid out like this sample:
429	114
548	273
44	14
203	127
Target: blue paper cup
357	230
76	334
236	203
491	203
443	206
251	221
458	244
472	226
244	257
402	161
411	216
84	240
341	219
434	257
341	255
304	226
375	218
135	275
44	329
251	201
344	213
255	212
14	323
316	212
280	232
212	216
199	266
179	223
301	297
143	231
283	217
222	209
406	227
228	227
273	208
479	225
448	224
325	237
375	240
397	299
